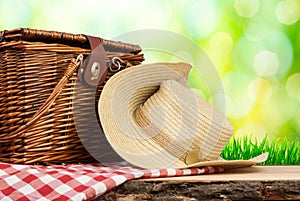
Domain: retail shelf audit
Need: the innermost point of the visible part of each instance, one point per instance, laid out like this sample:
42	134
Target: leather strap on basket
74	64
94	70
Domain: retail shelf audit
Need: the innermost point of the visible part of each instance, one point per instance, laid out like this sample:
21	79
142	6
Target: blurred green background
254	44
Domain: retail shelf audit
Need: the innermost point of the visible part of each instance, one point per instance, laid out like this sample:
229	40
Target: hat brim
230	164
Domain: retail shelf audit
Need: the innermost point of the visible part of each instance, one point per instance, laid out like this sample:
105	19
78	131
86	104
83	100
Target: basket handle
72	67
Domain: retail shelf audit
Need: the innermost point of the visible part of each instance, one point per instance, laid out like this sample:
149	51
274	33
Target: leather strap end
94	70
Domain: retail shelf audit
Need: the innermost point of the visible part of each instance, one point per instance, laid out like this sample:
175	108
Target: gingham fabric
75	182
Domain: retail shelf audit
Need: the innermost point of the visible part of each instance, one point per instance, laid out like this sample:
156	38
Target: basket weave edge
64	38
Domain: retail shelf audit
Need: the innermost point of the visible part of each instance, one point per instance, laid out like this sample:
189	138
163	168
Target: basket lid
77	40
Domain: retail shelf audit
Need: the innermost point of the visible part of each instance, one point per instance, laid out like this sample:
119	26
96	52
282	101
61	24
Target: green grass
281	151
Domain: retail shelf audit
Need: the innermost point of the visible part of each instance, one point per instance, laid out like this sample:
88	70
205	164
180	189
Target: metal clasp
119	63
79	60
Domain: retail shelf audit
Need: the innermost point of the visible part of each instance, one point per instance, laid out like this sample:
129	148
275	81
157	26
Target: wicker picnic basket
42	75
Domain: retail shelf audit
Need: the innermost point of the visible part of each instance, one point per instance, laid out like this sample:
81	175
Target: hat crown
172	118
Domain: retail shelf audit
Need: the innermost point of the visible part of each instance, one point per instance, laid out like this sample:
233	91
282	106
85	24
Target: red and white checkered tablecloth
75	182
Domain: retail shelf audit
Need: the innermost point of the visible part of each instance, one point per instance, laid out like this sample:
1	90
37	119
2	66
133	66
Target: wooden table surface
254	183
256	173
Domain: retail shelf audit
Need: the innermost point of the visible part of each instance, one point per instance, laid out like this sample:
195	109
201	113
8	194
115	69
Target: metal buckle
119	63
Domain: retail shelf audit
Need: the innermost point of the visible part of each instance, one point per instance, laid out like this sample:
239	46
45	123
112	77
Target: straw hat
153	120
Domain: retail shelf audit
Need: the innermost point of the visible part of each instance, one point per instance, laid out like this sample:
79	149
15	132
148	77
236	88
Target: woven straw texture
32	62
162	119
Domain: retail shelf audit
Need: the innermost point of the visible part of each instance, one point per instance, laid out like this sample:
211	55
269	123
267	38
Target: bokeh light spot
279	43
266	63
202	18
288	11
260	90
246	8
274	41
293	86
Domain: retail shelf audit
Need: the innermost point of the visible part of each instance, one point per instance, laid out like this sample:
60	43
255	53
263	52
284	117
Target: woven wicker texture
32	62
